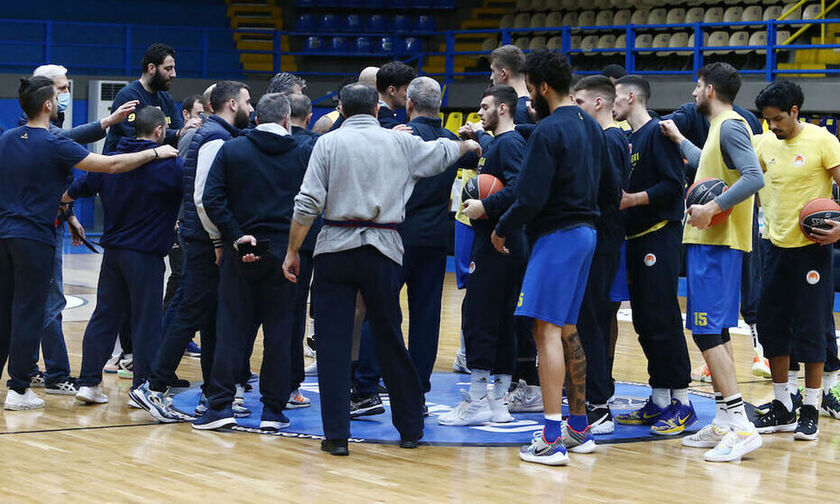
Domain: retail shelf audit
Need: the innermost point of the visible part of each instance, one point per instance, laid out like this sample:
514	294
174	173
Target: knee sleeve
708	341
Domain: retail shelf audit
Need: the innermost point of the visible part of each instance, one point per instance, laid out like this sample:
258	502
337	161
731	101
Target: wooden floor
110	453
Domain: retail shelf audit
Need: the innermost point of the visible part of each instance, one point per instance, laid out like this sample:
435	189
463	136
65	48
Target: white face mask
63	101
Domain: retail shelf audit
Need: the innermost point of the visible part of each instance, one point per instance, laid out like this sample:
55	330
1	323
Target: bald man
333	120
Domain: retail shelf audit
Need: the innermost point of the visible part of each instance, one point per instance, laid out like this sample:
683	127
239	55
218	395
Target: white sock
781	394
721	416
756	345
680	395
793	381
478	383
737	414
811	397
661	397
555	417
501	386
463	349
829	381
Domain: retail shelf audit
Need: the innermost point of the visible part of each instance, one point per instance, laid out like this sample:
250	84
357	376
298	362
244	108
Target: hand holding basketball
474	209
700	216
826	236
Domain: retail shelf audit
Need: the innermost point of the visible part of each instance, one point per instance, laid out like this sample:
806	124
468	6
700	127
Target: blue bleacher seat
363	45
306	22
413	45
386	44
314	44
352	23
374	4
425	23
377	23
829	123
339	44
401	23
329	23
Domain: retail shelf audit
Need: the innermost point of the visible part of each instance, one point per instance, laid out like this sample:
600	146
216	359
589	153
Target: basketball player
653	216
506	64
494	278
799	162
714	254
595	95
392	83
557	201
36	165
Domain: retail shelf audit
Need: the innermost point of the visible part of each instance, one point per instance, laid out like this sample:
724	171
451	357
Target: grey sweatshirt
364	172
738	154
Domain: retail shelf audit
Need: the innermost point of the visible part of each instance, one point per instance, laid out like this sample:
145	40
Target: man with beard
151	89
557	200
653	204
714	254
231	102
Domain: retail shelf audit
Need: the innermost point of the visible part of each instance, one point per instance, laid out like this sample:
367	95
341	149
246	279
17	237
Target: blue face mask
63	101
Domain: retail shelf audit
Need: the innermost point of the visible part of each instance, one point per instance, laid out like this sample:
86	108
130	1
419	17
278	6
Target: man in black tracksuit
250	196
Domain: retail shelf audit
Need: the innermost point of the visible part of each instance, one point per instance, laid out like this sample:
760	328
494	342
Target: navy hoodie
161	99
252	185
141	206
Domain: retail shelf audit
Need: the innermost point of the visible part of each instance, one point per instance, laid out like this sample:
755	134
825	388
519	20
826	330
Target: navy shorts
463	246
619	291
796	302
713	281
556	277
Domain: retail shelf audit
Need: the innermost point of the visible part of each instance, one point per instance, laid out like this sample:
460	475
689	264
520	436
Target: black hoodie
252	185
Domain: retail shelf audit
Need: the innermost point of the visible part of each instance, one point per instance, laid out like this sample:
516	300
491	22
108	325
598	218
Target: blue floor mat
306	422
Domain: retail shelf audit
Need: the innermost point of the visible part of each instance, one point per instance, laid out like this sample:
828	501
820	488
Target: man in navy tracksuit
152	89
494	278
140	212
392	83
250	196
202	241
595	95
654	211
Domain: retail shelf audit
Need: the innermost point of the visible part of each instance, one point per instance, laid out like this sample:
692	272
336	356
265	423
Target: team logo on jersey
472	267
798	160
650	259
812	277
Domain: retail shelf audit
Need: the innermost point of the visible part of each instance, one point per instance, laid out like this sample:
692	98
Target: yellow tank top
736	231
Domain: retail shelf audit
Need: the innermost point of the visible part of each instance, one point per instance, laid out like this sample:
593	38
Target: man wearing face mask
151	89
56	379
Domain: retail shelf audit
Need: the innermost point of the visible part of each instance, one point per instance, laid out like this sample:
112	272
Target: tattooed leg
575	370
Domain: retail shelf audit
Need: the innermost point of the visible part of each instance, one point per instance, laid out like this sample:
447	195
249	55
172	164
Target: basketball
704	191
815	213
480	187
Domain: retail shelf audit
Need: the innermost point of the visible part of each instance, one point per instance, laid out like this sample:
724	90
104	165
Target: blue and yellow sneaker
541	451
675	419
646	415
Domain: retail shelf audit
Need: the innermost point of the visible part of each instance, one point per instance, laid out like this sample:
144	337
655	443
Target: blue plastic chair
363	45
306	22
425	23
377	23
314	44
329	23
386	44
829	123
401	23
413	45
339	44
353	23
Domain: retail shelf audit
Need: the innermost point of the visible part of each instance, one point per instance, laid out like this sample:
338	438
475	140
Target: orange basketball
481	186
815	213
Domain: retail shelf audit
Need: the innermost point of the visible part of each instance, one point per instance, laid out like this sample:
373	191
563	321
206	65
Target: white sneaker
499	410
468	412
133	404
734	445
297	400
26	401
112	365
707	437
91	395
311	370
525	398
460	364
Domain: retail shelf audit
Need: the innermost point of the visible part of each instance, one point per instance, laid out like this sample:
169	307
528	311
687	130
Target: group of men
263	207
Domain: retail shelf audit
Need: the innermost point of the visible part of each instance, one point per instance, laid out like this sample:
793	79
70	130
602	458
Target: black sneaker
778	419
600	419
806	429
37	380
796	399
365	405
178	383
62	387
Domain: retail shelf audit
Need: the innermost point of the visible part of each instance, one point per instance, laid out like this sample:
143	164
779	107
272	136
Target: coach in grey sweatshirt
361	176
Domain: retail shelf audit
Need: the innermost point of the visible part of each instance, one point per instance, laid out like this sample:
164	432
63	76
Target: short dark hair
641	85
724	78
614	71
147	119
599	84
225	90
503	94
189	102
301	105
509	57
358	98
272	108
155	54
542	65
394	73
285	82
32	94
782	94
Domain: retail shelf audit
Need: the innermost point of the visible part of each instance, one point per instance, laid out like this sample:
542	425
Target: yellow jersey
795	172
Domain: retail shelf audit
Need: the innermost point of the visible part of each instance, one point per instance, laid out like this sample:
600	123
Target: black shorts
796	302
